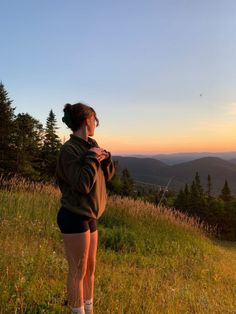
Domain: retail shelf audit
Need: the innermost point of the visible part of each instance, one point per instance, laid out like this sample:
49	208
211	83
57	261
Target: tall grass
150	259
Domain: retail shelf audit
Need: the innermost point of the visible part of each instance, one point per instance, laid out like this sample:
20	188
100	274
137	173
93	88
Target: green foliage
118	239
115	185
199	188
209	185
180	200
196	206
127	183
217	212
25	148
52	142
226	193
51	147
29	145
122	185
7	133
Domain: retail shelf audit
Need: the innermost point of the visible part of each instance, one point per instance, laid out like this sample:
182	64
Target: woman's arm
108	168
106	164
79	172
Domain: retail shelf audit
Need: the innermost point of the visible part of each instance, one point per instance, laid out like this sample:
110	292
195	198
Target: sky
161	75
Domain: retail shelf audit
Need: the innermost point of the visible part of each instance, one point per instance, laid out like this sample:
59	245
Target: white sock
77	310
88	304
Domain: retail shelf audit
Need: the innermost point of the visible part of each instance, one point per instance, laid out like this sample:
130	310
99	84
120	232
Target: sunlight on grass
150	260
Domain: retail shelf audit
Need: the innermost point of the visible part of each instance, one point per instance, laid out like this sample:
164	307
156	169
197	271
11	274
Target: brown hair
74	115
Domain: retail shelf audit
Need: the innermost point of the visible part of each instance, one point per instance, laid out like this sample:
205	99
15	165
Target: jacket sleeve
107	165
79	172
108	168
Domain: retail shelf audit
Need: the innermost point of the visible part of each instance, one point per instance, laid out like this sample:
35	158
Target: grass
150	260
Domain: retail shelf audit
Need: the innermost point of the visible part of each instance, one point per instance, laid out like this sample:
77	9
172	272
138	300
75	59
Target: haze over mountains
176	158
152	170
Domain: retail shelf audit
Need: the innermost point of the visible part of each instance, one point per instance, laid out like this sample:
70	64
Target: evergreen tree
127	183
209	186
219	213
186	197
180	200
228	221
28	141
198	185
7	132
114	185
226	193
193	198
197	206
51	146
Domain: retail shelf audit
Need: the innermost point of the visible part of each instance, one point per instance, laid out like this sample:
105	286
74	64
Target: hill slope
172	159
160	173
233	160
149	260
177	158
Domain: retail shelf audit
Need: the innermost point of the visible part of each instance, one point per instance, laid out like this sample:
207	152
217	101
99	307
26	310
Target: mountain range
153	171
177	158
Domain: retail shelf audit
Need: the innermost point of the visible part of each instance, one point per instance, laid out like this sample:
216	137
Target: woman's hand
100	152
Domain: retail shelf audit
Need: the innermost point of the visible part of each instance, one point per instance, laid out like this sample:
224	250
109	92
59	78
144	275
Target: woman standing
82	171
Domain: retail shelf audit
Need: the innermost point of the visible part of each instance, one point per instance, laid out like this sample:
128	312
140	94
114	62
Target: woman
82	170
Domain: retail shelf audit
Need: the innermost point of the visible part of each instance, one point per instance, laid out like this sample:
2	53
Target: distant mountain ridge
154	171
176	158
233	160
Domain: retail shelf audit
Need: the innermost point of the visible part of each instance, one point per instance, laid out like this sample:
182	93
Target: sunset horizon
125	146
166	85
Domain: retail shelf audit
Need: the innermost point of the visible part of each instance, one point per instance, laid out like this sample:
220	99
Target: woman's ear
86	122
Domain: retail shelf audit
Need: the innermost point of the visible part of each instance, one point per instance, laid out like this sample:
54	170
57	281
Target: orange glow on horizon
129	145
167	145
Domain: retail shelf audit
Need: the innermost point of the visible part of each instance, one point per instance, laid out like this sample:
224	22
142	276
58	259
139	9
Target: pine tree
114	185
180	200
186	197
7	132
127	183
51	146
209	186
28	140
198	185
197	204
193	198
226	193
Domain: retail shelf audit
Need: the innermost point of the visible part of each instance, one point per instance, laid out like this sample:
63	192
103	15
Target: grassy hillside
150	260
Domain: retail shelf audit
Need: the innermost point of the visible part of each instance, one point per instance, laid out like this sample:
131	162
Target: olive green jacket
82	178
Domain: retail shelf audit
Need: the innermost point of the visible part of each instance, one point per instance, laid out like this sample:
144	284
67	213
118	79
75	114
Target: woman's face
91	124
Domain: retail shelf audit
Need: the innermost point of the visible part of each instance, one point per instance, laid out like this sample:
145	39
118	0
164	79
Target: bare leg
91	264
76	250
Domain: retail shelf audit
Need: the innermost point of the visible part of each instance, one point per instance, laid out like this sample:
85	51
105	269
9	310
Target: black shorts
69	222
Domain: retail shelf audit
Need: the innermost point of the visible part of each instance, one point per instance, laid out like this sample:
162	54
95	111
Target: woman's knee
91	265
79	269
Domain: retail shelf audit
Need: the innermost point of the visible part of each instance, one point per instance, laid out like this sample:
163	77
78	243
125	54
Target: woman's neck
81	133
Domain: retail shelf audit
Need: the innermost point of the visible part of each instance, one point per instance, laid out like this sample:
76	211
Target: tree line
217	211
27	148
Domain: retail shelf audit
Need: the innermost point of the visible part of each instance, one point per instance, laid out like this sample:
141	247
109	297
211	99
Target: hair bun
68	107
67	115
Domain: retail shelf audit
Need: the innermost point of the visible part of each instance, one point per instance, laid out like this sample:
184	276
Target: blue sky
160	74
